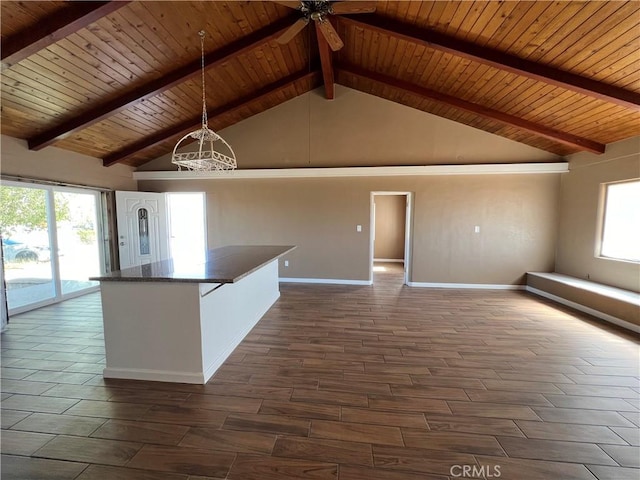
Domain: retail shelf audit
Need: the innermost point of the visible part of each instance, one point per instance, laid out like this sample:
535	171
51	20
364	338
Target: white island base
179	331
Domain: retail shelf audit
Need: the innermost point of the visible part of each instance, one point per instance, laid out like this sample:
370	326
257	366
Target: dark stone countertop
222	265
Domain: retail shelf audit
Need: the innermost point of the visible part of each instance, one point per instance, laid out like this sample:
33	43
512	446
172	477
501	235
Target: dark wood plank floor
354	383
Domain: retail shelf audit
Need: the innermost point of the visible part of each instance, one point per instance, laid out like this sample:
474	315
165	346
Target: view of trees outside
25	209
25	243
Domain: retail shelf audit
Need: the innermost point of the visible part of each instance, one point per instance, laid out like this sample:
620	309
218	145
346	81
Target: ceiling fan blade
340	8
292	4
330	34
292	31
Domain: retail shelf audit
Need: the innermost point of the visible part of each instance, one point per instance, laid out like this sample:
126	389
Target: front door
142	228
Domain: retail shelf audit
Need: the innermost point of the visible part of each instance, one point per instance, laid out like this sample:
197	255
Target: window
621	222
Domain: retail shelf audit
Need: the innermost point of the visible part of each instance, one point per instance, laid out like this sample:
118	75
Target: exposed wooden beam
161	84
192	124
497	59
326	61
506	119
71	18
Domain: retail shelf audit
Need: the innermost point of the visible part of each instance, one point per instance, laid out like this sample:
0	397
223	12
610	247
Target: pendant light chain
204	98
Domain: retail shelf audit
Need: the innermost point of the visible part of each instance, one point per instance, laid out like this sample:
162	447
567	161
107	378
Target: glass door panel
77	238
26	244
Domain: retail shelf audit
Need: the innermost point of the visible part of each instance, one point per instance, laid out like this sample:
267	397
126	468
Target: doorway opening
187	227
390	236
157	226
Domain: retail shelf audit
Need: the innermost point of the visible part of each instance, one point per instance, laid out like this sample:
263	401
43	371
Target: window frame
602	212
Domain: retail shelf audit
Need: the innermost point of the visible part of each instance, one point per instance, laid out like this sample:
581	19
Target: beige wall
579	214
62	166
357	129
517	215
390	226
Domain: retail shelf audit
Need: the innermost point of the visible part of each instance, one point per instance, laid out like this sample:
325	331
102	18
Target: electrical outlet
476	229
286	263
358	228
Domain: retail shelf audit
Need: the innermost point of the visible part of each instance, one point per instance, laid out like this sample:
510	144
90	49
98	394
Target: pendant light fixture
205	157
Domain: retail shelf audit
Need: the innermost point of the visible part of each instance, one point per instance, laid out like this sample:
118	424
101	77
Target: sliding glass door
77	236
26	243
50	241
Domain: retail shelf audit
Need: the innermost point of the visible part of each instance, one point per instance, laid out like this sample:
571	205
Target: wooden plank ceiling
121	80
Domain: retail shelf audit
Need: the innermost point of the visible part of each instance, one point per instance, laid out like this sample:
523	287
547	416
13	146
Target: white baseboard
596	313
154	375
389	260
228	350
410	284
186	377
219	360
481	286
330	281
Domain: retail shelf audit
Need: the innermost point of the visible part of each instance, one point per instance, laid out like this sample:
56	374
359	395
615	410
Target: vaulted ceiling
121	80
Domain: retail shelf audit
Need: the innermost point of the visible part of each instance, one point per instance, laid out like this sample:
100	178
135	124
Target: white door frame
407	232
4	311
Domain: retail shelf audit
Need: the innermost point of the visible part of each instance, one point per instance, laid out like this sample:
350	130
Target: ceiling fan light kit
319	12
205	158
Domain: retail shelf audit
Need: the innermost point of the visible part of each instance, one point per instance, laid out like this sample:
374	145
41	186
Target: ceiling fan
319	11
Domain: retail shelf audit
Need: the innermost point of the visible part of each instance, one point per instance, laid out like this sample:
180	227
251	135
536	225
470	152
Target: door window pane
143	231
26	245
77	236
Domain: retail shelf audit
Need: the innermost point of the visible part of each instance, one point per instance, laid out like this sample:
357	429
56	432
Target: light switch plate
358	228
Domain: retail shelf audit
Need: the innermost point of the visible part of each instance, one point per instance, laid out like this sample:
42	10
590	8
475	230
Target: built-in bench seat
614	305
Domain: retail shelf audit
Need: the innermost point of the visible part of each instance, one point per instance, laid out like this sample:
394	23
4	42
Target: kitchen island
173	321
